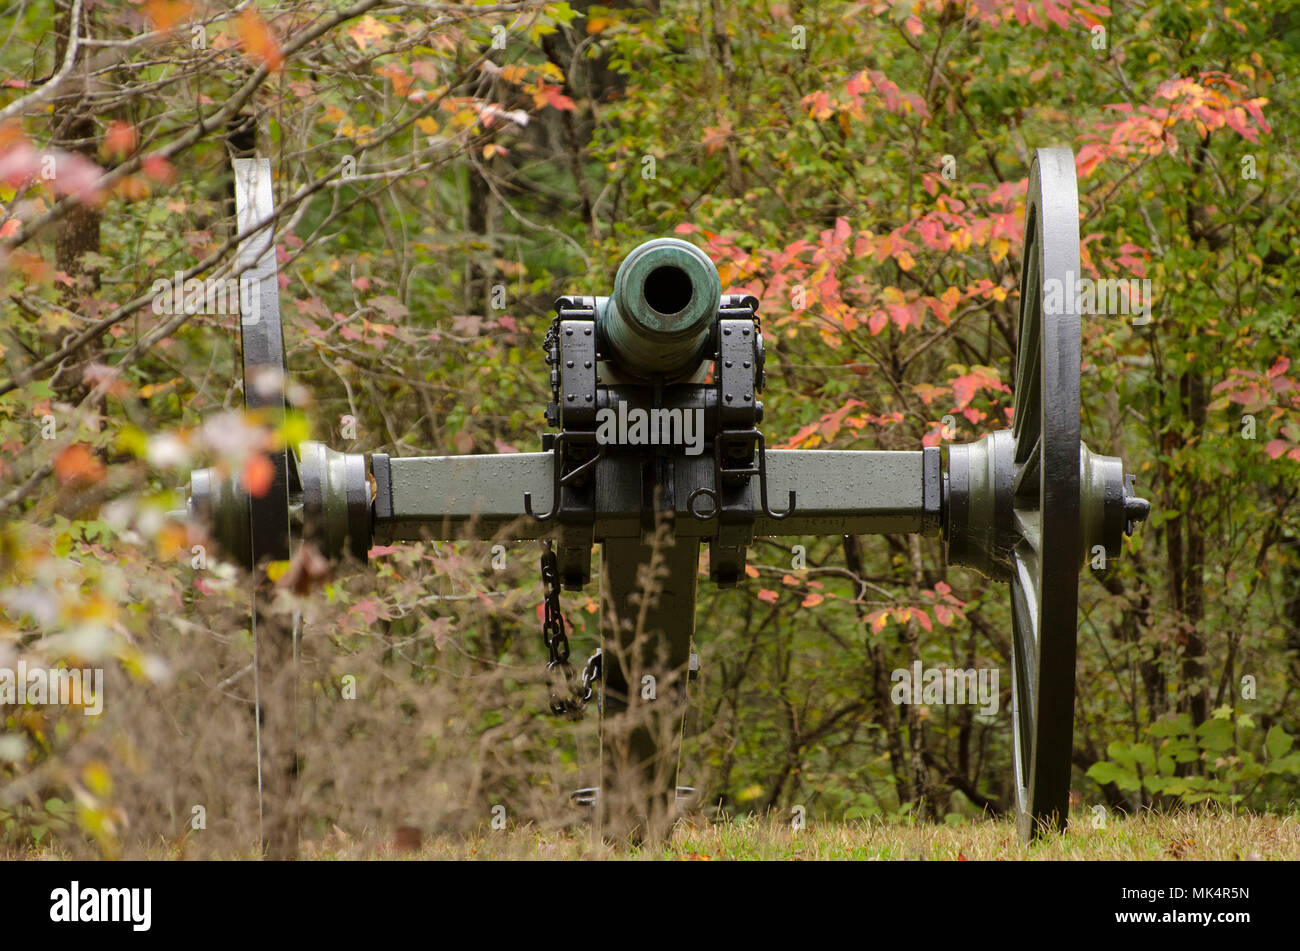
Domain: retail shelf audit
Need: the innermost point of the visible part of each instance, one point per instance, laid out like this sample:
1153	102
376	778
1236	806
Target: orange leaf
716	136
259	42
812	600
172	541
167	13
768	595
77	463
368	30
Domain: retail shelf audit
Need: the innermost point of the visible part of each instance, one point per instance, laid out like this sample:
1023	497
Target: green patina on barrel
666	295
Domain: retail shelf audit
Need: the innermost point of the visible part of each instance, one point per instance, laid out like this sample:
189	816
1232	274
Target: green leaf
1277	743
1105	772
1215	735
1171	726
1122	753
1145	757
1284	765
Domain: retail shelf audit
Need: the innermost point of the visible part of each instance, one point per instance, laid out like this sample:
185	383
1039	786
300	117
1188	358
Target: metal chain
591	671
551	347
567	699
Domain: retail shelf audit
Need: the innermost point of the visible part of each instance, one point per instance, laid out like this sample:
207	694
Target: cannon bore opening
668	289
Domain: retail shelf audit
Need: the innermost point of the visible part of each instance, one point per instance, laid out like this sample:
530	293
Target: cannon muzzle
666	296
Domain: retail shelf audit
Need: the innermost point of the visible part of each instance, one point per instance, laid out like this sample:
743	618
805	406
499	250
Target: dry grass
1197	836
1192	836
432	740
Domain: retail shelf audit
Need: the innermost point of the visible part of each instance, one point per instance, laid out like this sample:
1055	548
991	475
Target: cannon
655	449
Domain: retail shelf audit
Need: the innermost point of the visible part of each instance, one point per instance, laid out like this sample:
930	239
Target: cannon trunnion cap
666	296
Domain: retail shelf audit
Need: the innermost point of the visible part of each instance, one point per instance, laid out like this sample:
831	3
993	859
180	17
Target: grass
1201	835
1185	836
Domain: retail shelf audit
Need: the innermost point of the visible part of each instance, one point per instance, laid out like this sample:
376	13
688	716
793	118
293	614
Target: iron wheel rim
1045	560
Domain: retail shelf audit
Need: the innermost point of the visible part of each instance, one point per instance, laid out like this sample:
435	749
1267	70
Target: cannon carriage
656	449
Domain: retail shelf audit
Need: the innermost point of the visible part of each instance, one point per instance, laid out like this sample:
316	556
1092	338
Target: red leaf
841	231
1056	14
551	96
965	387
159	169
768	595
1089	157
367	609
257	475
119	140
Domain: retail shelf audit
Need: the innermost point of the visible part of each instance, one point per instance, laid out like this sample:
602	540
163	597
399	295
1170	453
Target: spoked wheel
254	530
1046	497
274	636
322	497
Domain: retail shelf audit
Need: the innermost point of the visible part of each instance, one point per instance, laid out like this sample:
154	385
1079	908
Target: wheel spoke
1027	480
1027	420
1024	672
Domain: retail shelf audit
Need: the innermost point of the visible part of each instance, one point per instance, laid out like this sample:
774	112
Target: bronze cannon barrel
656	322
